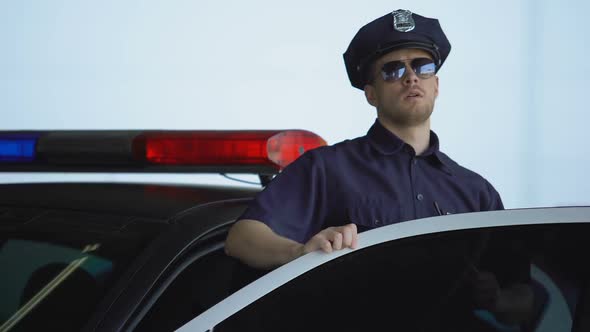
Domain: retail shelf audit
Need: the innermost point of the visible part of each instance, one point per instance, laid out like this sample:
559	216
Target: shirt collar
383	140
388	143
434	152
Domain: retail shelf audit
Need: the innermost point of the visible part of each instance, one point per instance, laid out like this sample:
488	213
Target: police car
149	257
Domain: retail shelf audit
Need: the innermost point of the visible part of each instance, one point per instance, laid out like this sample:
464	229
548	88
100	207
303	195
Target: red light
286	146
228	148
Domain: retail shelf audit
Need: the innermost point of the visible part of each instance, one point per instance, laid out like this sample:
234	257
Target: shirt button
377	222
415	161
420	197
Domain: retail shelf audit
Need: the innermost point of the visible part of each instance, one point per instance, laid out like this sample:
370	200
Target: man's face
408	101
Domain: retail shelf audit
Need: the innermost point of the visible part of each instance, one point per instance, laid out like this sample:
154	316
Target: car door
423	276
193	274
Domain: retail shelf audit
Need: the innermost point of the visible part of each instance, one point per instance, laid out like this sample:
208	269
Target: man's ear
371	95
436	87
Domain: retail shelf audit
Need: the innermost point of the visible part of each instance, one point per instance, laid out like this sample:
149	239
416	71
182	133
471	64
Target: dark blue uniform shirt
372	181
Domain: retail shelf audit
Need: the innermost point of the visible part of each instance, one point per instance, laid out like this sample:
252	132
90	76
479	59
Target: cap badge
403	20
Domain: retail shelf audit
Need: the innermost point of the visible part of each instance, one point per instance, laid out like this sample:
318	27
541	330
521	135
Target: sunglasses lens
424	67
393	71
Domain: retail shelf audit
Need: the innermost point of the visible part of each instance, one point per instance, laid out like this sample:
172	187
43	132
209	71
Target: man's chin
412	117
408	121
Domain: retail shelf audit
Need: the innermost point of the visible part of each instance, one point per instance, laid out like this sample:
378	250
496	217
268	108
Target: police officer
394	173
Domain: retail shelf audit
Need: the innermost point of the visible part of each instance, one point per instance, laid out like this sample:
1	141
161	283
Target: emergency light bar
215	151
17	147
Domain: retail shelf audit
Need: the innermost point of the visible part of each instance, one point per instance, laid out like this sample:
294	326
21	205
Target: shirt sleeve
494	199
293	203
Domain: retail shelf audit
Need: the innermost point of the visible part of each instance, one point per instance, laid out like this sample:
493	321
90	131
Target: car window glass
201	285
438	282
47	282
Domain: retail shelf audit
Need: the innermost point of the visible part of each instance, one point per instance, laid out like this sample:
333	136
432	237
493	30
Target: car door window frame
276	278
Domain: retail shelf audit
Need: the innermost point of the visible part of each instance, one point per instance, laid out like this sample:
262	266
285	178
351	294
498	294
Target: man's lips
414	94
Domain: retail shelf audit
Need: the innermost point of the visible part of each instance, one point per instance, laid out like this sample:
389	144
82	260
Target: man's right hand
333	238
255	244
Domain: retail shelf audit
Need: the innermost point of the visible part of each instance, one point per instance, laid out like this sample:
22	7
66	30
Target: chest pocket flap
370	213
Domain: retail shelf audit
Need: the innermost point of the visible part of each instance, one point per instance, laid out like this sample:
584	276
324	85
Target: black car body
97	256
150	257
145	234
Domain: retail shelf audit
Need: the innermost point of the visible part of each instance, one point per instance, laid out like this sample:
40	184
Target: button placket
413	171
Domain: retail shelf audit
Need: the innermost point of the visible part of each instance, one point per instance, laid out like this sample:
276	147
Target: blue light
17	147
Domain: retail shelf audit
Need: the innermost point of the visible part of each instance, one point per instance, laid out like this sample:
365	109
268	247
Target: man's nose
410	77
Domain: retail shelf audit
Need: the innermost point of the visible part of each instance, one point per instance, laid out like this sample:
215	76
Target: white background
512	102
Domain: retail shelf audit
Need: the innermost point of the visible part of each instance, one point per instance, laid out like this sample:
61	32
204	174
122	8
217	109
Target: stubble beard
411	117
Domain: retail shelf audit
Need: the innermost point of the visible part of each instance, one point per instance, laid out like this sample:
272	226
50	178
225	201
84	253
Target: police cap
393	31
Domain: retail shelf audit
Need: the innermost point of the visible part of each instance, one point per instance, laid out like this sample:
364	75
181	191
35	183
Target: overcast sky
512	102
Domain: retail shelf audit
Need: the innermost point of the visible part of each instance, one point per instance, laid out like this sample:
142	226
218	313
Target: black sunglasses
394	70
